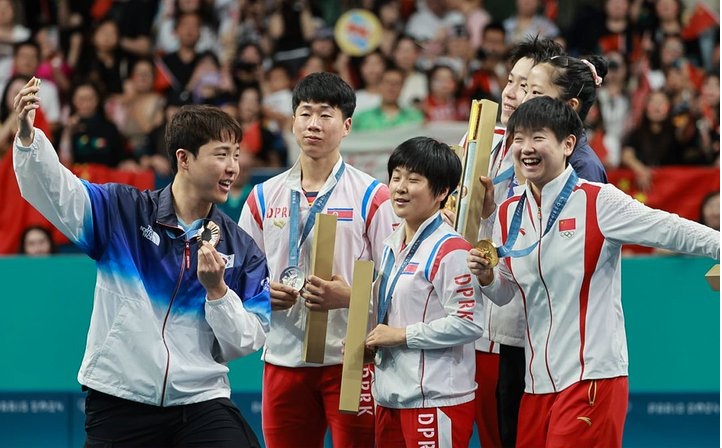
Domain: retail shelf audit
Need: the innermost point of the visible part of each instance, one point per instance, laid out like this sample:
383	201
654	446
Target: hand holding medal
481	261
488	252
210	232
211	265
293	277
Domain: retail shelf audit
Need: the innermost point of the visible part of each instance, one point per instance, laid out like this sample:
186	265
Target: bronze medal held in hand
294	277
210	232
488	251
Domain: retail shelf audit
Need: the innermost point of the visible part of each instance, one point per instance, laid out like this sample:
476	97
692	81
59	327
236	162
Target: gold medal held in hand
488	251
210	232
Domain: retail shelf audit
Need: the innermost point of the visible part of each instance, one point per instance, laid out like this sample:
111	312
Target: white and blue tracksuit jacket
154	338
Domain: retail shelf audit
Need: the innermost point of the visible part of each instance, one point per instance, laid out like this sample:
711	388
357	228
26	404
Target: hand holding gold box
475	157
356	330
324	244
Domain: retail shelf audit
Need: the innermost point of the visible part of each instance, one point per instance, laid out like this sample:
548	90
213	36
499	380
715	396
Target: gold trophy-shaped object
468	200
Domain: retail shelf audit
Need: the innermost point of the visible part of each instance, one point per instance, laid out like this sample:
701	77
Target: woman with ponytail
574	81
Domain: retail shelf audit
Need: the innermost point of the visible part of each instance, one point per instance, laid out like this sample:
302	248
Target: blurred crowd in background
114	71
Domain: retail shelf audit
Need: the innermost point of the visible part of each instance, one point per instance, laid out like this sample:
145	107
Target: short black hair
535	48
495	26
545	112
44	230
27	43
195	125
430	158
326	88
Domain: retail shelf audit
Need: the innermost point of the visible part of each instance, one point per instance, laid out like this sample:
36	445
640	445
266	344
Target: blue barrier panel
672	322
673	420
55	420
35	420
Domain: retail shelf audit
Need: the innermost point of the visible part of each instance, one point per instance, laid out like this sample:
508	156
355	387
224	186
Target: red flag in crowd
676	189
16	213
702	19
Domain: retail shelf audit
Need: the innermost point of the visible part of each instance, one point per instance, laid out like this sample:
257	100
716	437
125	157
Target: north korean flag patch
410	269
342	214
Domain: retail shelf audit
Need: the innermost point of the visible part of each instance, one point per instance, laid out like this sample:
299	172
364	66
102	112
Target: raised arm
46	184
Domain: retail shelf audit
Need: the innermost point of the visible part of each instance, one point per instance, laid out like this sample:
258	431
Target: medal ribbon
559	203
294	245
384	292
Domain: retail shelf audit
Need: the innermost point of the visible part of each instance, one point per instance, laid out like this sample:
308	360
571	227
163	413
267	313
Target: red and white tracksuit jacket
571	282
365	219
434	299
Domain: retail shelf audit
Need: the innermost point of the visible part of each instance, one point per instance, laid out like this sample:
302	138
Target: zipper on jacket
549	302
187	259
188	254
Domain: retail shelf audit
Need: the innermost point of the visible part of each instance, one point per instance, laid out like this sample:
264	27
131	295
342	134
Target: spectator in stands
431	19
443	103
53	66
73	26
89	137
477	19
139	116
248	65
167	40
612	28
656	142
277	97
266	145
312	64
11	33
178	66
36	241
406	55
619	32
103	61
488	80
324	46
250	26
134	19
291	27
457	51
526	22
389	114
705	114
26	61
392	24
209	80
613	100
666	19
372	70
709	210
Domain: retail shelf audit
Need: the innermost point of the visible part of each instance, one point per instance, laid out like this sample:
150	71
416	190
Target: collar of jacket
166	212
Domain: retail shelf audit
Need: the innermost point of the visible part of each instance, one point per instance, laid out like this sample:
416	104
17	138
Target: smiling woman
561	239
425	307
422	174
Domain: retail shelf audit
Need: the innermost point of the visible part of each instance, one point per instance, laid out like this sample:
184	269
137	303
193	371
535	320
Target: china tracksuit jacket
570	283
